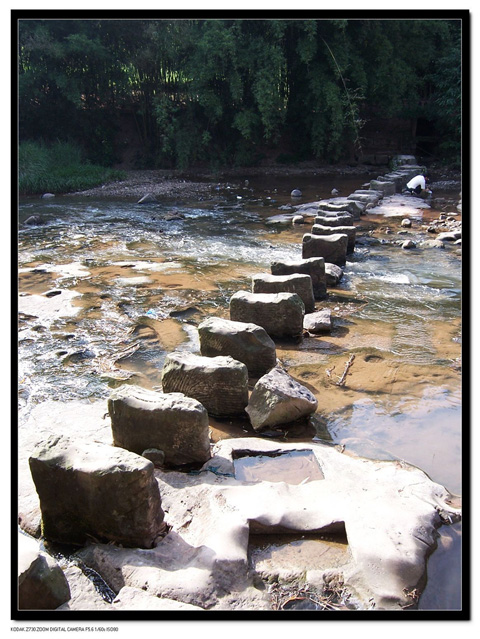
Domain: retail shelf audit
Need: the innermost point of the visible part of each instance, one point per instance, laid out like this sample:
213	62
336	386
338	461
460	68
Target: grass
58	168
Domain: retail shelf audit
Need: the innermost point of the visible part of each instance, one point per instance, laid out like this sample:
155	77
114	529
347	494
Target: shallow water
108	287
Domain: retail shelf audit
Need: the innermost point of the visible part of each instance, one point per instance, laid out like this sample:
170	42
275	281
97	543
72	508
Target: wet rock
245	342
296	193
42	584
280	314
171	423
429	244
318	322
88	489
79	356
219	383
349	231
406	223
298	219
409	244
279	399
34	220
314	266
333	274
333	248
449	236
47	196
298	283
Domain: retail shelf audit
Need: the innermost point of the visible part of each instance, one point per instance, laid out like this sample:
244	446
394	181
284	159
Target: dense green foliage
223	91
59	167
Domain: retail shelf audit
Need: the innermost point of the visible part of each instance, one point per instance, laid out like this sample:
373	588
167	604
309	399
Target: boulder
42	584
296	193
87	489
333	274
350	232
219	383
298	283
169	422
429	244
280	314
451	236
34	220
406	223
279	399
318	322
245	342
333	248
314	266
408	244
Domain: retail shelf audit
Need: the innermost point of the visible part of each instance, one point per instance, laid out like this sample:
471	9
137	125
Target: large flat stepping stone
169	422
246	342
349	231
219	383
298	283
280	314
333	248
90	490
313	266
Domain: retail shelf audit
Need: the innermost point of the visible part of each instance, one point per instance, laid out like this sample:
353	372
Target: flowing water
108	287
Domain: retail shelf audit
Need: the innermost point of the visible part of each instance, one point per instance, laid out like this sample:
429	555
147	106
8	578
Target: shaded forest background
185	93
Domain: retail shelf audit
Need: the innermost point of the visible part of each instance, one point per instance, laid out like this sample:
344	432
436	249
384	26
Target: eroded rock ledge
382	514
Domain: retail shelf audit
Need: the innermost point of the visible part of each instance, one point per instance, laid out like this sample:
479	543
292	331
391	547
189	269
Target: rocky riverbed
213	527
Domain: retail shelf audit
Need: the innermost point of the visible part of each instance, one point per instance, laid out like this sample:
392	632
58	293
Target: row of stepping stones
173	430
88	489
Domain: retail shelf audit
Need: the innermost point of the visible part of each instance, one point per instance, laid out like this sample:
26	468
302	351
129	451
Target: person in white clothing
416	184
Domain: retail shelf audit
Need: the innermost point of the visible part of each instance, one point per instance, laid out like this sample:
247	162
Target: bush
59	168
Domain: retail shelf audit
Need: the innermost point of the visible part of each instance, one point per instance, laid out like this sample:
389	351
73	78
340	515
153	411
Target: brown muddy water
108	287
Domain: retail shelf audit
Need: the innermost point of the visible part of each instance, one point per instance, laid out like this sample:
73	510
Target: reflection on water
108	288
293	467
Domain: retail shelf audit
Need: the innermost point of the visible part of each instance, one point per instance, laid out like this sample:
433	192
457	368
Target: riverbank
201	183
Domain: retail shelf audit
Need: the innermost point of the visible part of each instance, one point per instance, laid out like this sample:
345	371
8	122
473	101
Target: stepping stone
313	266
171	423
245	342
298	283
333	248
280	314
90	490
219	383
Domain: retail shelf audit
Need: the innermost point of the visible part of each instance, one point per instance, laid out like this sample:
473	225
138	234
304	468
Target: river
108	287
